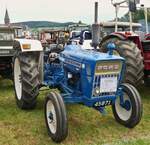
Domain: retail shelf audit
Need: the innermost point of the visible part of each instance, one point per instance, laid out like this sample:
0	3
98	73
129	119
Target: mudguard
114	35
31	45
124	36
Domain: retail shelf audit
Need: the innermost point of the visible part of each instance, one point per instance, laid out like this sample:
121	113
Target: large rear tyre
129	113
26	79
134	72
56	117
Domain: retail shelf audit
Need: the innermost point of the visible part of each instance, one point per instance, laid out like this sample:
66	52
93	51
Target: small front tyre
130	112
56	117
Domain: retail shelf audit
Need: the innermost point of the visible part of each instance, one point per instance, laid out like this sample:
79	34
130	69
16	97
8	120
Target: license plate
108	84
102	103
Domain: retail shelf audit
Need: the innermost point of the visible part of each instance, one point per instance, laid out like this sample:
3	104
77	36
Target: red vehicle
49	36
133	46
146	55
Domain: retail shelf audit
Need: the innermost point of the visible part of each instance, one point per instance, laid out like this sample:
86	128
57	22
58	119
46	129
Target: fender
114	35
27	45
122	36
35	46
125	36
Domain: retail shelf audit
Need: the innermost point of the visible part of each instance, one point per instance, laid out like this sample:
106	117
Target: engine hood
75	52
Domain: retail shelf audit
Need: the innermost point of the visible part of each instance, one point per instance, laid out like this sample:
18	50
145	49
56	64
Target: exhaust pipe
96	29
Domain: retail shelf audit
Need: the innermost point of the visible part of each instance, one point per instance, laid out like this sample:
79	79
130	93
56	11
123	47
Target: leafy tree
138	15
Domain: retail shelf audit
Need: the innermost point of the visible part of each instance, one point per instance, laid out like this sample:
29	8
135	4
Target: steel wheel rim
123	113
51	120
17	79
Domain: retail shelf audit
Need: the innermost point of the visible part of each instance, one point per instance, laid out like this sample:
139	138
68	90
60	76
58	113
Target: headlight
96	91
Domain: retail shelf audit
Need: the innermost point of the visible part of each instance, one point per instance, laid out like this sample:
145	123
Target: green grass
86	126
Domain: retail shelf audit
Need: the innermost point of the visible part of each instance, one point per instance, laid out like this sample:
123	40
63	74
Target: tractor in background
49	37
138	41
128	45
7	36
75	29
84	39
82	76
79	33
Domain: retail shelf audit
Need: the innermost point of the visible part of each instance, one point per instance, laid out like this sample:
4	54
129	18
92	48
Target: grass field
86	126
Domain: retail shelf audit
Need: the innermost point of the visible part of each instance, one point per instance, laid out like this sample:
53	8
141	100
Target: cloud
58	10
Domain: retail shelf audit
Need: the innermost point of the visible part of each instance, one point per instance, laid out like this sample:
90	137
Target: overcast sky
58	10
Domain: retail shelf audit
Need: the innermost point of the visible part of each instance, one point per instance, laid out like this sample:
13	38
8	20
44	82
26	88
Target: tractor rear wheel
134	72
26	79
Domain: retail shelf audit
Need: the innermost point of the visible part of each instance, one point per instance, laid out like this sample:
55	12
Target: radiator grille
96	84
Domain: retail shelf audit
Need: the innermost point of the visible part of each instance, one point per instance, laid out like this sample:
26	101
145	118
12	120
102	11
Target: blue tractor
82	76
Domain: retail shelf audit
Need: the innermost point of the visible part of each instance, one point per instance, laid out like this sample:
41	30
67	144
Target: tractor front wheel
56	117
130	112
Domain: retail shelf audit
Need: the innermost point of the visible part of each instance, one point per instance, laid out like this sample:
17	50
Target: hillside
37	24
